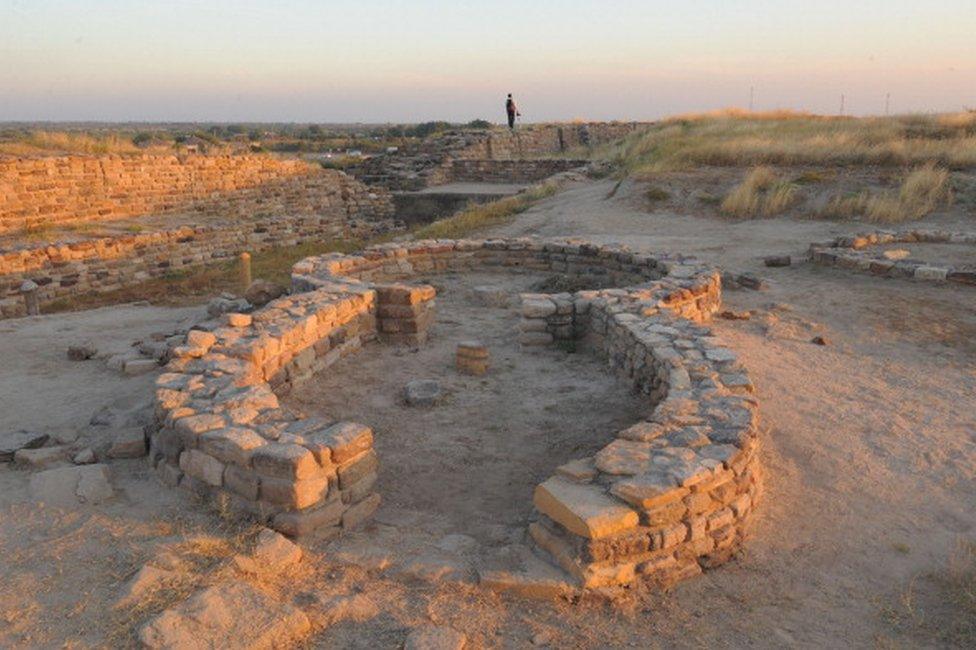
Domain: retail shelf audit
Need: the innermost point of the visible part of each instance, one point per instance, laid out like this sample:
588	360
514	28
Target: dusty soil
466	467
869	450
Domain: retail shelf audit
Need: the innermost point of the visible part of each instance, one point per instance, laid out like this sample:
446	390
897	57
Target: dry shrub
760	194
846	207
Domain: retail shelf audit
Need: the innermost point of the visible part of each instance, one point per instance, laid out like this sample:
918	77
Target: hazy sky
387	60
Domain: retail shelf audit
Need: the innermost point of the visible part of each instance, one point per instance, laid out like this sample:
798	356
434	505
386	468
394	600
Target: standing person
512	111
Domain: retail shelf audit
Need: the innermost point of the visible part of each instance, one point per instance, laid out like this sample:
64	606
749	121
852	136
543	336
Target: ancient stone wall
666	498
861	253
305	204
509	171
431	162
219	429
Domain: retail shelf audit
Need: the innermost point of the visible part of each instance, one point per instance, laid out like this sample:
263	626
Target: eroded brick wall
37	193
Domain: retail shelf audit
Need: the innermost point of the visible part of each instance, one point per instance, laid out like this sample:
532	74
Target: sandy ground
460	474
869	449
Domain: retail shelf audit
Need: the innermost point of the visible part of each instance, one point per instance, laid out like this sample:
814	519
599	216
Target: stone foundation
303	204
663	500
857	253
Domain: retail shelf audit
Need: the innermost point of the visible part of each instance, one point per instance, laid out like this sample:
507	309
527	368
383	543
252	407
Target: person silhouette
512	111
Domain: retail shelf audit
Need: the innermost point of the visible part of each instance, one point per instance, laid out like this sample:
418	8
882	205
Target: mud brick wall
49	191
539	140
63	269
859	253
509	171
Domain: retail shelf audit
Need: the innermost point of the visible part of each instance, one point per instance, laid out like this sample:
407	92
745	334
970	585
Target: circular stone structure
665	497
861	253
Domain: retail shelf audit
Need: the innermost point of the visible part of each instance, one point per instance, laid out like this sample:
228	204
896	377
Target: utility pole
842	103
752	97
887	103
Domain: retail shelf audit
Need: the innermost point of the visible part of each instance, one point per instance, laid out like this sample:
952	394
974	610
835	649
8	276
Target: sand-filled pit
457	477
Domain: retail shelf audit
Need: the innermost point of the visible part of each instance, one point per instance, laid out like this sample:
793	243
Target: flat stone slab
522	573
13	441
227	616
69	486
583	509
423	392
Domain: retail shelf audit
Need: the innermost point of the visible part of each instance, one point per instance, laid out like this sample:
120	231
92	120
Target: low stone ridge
859	253
663	500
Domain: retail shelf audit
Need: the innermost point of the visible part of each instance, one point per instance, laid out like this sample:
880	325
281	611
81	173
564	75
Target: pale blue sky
386	60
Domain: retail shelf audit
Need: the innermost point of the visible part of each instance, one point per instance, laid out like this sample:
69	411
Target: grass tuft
761	194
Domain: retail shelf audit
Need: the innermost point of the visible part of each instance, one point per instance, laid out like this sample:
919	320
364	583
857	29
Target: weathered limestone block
287	461
583	509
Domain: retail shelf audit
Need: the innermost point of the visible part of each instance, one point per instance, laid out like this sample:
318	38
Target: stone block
293	493
360	512
202	467
320	520
285	461
339	442
233	445
583	509
128	443
353	470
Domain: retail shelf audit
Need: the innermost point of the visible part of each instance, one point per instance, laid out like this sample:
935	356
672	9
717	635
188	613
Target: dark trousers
511	120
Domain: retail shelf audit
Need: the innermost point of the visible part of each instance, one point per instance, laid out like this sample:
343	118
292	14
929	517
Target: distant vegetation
927	152
738	138
336	139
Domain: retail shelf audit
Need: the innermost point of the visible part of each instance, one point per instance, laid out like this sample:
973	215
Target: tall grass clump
922	191
46	142
760	194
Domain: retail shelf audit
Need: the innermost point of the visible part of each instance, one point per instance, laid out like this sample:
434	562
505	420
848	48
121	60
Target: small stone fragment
819	340
730	314
13	441
272	552
41	458
148	580
128	443
134	367
777	260
82	351
423	392
261	292
84	457
896	254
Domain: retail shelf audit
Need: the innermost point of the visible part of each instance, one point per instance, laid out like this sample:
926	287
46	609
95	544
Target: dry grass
478	217
922	191
761	194
739	138
47	142
939	609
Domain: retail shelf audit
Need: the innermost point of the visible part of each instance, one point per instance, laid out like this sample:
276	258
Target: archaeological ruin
662	500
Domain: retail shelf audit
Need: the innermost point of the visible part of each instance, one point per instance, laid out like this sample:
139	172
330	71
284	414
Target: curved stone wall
858	253
662	500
